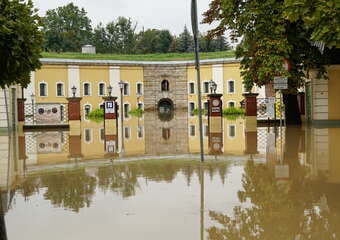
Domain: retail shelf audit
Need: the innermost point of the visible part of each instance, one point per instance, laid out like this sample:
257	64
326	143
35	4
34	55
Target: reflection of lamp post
73	89
213	86
109	90
32	99
121	86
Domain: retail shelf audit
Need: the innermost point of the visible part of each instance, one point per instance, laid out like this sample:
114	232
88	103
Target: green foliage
185	42
20	42
233	113
140	57
272	32
96	115
154	41
66	28
137	112
196	111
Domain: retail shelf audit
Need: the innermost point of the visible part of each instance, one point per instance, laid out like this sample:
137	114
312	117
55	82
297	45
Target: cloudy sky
160	14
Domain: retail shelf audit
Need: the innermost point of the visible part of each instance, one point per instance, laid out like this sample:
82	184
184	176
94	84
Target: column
215	124
74	120
110	125
21	112
251	123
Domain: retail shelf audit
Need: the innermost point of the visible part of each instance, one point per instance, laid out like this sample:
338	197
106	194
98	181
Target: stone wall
177	77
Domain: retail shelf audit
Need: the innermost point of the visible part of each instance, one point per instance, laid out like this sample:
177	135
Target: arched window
165	86
101	89
42	89
87	89
60	89
231	104
87	110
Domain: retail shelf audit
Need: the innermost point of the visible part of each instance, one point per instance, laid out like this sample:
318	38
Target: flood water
269	183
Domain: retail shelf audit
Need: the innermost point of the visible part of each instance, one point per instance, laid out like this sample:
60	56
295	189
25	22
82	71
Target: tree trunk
292	111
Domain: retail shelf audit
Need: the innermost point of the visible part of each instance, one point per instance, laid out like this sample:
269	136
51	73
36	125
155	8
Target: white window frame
84	110
189	109
190	126
90	89
142	89
126	115
99	89
91	135
231	101
189	88
203	87
127	88
63	89
229	127
129	130
46	88
228	86
99	134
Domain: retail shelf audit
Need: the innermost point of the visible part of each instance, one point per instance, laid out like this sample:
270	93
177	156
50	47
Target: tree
275	30
66	28
100	39
153	41
20	42
185	41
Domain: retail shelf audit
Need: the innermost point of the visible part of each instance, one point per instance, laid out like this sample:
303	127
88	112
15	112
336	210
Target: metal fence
46	114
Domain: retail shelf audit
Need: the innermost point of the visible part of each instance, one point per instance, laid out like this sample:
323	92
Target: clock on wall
215	103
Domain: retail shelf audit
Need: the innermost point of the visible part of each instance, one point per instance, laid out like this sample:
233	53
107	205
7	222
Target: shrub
96	115
136	112
195	111
233	113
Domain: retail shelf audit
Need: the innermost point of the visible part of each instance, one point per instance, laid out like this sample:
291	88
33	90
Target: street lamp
213	86
109	90
121	87
73	89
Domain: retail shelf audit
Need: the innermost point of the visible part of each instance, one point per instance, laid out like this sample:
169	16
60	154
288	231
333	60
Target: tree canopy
66	28
20	42
276	30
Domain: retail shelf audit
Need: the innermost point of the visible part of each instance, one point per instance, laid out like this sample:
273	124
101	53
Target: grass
140	57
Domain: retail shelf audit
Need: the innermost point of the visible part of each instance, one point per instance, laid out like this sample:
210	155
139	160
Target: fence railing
46	113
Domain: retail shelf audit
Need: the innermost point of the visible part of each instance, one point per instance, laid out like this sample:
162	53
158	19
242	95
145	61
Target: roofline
64	61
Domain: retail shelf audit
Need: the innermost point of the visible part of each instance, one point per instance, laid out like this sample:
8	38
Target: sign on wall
109	107
48	113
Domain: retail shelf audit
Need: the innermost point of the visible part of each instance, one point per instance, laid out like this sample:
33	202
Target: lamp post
213	86
74	90
121	86
32	99
109	90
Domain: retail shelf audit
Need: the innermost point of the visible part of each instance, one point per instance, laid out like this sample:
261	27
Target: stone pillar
110	125
74	116
75	152
21	112
215	124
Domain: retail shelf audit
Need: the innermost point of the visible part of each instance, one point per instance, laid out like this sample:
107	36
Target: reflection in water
281	206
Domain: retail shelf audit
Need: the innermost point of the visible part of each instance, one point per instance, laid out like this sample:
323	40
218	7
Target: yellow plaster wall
231	71
333	92
51	74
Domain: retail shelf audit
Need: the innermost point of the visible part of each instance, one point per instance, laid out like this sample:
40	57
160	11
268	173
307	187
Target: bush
195	111
137	112
96	115
233	113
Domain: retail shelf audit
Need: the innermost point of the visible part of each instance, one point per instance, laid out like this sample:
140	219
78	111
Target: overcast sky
160	14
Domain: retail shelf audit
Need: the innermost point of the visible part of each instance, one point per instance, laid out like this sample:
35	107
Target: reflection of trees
285	210
75	189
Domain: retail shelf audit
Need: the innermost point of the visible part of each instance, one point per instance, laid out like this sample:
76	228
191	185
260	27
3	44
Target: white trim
231	101
228	89
63	89
90	89
129	129
192	125
129	116
102	82
229	126
91	135
203	89
141	83
128	89
142	128
100	139
84	114
189	110
46	88
189	92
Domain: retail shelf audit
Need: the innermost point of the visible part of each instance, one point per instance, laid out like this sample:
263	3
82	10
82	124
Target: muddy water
267	184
